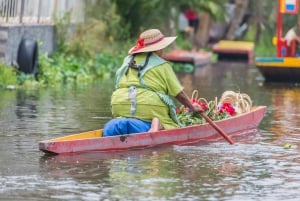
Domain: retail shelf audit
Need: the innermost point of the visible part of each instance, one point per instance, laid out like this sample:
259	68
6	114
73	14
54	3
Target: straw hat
151	40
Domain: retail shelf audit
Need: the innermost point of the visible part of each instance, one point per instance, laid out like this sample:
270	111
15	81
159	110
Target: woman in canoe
145	84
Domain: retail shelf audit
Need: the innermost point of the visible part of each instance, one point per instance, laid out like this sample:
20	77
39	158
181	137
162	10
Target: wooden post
279	30
21	12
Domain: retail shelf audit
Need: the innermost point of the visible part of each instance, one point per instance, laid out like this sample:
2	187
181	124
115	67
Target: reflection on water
257	167
281	121
285	113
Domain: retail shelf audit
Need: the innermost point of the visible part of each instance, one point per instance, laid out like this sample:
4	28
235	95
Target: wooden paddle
216	127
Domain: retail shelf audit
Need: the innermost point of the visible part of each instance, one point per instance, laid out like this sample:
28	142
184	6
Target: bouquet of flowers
230	104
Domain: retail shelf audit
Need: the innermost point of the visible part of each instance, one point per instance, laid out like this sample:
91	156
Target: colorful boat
234	50
93	141
197	58
285	67
276	69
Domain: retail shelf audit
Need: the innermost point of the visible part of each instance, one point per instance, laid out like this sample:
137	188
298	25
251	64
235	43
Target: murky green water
257	167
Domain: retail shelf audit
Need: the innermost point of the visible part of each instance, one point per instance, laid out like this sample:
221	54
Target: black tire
27	57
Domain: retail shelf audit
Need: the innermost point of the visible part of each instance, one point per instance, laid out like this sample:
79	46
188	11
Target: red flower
204	106
228	108
140	42
139	45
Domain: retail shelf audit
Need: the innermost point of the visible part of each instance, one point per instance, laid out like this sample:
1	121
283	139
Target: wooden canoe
93	140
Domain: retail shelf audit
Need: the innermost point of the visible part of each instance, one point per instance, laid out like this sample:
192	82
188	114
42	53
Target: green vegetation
7	76
183	67
69	68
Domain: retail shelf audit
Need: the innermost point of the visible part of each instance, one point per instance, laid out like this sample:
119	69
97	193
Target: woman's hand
197	108
185	100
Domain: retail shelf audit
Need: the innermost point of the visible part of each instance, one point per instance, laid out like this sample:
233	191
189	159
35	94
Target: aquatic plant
69	68
7	76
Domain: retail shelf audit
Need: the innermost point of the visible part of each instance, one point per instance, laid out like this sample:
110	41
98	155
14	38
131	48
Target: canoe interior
80	136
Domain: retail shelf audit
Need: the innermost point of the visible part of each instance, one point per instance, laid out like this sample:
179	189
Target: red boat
93	140
197	58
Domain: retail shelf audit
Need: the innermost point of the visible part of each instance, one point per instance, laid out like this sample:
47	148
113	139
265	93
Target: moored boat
285	66
276	69
234	50
93	140
197	58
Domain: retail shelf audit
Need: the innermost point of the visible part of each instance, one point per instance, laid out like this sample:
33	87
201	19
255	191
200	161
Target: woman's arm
185	100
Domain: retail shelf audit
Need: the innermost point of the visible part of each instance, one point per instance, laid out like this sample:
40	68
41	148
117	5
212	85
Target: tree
239	12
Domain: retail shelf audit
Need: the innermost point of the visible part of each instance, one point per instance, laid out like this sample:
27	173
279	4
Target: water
260	166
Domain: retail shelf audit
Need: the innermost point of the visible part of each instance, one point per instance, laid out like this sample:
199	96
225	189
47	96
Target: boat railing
39	11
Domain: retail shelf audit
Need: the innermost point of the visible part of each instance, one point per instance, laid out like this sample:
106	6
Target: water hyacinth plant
7	76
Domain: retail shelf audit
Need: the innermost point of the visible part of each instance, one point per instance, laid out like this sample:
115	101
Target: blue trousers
120	126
